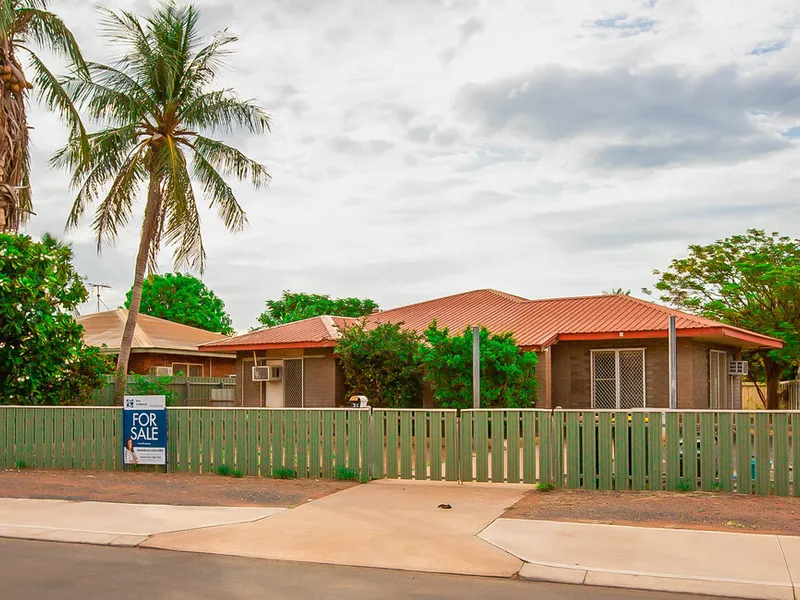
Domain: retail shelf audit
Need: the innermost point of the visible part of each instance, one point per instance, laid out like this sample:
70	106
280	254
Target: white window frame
189	364
616	352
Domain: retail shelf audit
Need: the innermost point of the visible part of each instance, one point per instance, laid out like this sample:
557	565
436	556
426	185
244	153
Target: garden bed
164	488
715	511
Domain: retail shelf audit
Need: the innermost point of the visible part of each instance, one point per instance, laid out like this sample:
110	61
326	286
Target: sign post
144	431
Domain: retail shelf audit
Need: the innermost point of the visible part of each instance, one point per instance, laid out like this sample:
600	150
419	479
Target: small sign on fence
144	431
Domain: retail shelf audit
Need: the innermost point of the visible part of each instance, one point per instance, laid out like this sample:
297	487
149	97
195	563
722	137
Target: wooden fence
788	395
733	451
189	391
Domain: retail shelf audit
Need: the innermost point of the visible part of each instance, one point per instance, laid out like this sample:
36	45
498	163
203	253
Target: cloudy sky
426	147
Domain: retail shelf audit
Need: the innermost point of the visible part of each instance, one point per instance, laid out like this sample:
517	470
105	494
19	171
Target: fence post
458	446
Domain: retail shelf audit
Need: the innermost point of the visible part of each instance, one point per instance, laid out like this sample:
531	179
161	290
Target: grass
20	464
345	474
545	487
284	473
685	487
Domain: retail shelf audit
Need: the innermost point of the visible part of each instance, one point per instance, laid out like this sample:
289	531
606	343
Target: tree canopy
183	299
750	281
382	363
508	376
43	359
293	306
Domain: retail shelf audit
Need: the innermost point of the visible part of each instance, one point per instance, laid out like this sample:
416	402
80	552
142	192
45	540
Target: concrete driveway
387	523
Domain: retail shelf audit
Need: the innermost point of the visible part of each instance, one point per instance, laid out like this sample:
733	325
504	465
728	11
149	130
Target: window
618	379
188	369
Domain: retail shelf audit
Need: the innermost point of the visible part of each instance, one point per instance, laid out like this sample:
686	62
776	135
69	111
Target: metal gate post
458	446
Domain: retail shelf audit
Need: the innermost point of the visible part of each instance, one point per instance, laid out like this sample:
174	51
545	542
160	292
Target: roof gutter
279	346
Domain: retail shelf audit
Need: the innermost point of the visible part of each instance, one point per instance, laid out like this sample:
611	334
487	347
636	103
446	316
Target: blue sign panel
144	430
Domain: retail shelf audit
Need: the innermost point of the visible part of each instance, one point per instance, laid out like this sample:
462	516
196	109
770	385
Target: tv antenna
96	287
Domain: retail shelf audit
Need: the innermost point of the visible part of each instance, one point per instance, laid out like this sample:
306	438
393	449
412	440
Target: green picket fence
624	450
189	391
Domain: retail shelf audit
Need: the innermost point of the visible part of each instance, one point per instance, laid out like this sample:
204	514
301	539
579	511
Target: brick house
608	351
159	343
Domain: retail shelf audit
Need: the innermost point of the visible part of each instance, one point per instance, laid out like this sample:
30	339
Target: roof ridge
511	297
330	326
145	341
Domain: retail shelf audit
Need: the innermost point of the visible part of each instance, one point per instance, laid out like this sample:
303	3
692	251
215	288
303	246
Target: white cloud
384	186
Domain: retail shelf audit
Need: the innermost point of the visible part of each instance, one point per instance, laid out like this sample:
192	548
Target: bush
223	470
382	363
545	487
139	385
20	464
508	376
284	473
238	474
43	359
345	474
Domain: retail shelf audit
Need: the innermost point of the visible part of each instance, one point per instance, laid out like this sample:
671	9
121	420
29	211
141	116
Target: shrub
382	363
152	386
508	376
43	359
223	470
20	464
685	486
237	473
284	473
545	487
345	474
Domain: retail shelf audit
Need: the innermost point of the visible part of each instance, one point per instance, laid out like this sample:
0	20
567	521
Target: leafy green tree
750	281
508	376
23	24
382	363
43	359
294	306
183	299
156	104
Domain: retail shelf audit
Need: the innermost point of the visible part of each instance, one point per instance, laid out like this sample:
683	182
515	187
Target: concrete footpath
399	525
739	565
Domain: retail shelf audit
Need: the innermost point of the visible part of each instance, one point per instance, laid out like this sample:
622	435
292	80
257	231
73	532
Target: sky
421	148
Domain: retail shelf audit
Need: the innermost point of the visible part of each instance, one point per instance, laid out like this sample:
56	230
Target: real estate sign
144	430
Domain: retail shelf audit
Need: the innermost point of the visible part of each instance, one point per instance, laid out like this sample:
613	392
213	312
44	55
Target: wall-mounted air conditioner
161	371
738	367
267	373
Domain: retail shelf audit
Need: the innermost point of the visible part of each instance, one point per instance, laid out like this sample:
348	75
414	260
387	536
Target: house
608	351
159	343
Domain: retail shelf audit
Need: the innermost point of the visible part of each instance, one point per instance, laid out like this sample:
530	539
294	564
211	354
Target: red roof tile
534	323
314	331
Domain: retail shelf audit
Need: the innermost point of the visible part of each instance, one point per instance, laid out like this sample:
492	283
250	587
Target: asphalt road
45	570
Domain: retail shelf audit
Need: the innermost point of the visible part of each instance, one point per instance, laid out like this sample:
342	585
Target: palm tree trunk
145	243
14	195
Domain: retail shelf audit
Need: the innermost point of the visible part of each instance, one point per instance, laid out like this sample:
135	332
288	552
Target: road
45	570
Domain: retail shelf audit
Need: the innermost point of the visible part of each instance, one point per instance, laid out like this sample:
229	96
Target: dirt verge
160	488
713	511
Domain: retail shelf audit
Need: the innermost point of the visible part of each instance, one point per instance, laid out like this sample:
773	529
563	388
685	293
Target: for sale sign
144	430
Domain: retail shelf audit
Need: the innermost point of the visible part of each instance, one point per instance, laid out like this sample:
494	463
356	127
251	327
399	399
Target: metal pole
476	367
673	363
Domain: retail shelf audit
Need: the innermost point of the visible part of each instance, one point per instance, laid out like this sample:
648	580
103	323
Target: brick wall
142	362
571	371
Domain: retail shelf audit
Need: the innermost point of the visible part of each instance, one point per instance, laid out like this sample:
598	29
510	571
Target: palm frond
219	194
53	95
231	161
222	111
49	31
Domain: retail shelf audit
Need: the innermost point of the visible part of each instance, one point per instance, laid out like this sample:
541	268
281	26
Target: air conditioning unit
267	373
738	367
161	371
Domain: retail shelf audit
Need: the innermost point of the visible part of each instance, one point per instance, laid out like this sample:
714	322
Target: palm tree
23	22
155	103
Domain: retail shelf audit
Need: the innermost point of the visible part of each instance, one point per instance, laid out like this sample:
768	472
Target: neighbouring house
159	346
608	351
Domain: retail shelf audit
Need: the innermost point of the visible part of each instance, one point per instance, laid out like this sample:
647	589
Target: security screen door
618	379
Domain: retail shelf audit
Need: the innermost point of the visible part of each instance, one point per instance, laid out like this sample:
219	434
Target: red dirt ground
161	488
699	510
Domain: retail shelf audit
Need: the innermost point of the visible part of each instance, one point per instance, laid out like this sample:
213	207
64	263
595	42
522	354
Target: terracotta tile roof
534	323
105	328
314	331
